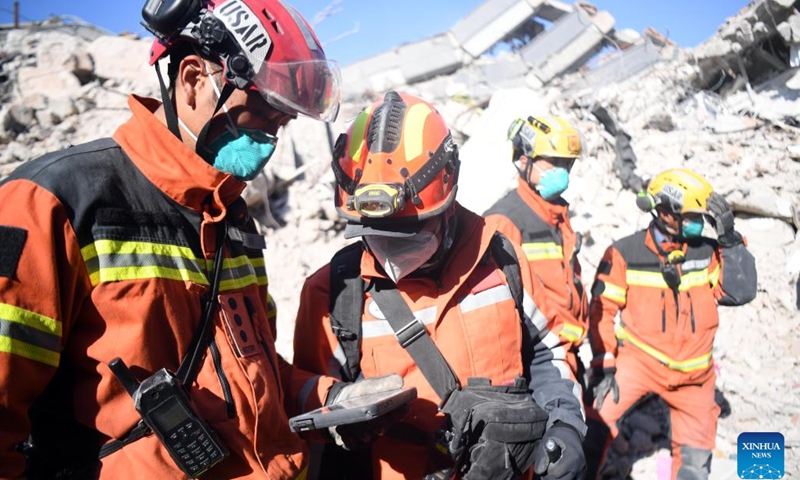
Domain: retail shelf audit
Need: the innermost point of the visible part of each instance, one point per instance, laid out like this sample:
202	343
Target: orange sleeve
609	295
43	282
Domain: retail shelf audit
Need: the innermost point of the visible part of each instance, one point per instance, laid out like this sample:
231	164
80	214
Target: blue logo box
760	455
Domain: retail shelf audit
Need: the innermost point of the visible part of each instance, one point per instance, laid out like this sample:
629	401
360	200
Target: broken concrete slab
479	30
428	58
569	43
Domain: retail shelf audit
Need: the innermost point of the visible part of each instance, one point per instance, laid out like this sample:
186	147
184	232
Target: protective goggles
312	88
377	200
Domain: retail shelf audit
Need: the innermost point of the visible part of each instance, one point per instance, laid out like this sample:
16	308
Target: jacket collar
552	213
667	244
172	167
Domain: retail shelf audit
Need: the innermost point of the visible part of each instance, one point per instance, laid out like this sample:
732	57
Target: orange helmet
397	161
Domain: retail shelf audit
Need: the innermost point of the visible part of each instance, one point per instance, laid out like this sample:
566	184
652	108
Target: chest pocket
491	328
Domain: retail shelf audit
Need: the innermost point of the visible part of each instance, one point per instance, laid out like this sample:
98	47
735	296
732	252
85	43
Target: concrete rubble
727	109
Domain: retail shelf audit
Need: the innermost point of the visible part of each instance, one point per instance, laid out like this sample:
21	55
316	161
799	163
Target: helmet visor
311	88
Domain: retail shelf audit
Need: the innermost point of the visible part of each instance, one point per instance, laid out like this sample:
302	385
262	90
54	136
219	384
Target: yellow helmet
680	190
544	137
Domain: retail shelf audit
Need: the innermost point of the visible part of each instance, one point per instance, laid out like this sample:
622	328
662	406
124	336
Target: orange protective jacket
550	245
675	326
109	245
472	319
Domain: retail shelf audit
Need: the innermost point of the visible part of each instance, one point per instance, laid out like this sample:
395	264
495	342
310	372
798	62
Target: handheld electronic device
164	406
353	410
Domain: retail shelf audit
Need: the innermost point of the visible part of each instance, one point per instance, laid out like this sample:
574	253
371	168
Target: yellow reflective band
644	278
32	352
690	365
543	251
30	319
357	138
241	271
694	279
413	130
713	277
571	332
118	274
615	293
113	261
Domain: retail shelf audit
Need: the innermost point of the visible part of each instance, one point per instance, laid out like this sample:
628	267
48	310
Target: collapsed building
728	109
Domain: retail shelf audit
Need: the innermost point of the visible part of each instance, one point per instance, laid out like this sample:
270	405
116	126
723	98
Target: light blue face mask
693	228
243	156
553	182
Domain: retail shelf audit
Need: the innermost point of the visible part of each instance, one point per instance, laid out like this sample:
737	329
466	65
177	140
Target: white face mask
402	256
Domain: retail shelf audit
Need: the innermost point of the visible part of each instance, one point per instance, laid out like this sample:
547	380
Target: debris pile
727	109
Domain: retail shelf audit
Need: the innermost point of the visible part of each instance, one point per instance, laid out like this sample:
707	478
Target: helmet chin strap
172	117
169	108
200	146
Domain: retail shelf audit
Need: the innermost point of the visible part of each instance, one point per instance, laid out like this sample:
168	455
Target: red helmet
263	45
397	161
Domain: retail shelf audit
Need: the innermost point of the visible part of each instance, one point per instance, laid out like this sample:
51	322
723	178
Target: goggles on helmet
311	88
377	200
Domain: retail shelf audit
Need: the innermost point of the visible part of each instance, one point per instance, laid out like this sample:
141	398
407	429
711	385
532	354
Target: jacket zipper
223	380
663	313
691	309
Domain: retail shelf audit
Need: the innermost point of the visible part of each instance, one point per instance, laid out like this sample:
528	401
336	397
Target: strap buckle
410	332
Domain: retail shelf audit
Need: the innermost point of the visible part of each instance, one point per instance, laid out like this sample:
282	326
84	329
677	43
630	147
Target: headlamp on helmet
377	200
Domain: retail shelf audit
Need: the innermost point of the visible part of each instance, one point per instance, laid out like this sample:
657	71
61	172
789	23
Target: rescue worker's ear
645	202
191	74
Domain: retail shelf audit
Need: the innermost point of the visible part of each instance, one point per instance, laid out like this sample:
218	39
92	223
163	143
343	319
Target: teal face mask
553	182
243	156
693	228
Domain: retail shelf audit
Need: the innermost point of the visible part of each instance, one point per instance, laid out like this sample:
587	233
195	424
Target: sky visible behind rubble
357	29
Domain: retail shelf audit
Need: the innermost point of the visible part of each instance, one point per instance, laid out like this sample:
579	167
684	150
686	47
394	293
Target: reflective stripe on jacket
544	231
470	315
120	235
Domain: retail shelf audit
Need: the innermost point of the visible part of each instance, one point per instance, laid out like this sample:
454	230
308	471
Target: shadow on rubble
644	430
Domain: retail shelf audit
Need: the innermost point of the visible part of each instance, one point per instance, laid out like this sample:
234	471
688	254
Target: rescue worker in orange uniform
135	260
535	216
397	170
664	283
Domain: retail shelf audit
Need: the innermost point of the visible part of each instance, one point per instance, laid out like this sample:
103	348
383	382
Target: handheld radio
163	404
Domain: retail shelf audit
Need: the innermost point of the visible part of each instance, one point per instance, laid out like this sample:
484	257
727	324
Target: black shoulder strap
413	336
346	306
506	258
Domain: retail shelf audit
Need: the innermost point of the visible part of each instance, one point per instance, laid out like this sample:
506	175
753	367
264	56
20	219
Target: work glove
559	455
360	435
602	382
722	219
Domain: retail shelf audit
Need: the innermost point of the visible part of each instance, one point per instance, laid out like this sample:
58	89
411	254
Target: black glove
722	220
601	383
360	435
559	456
